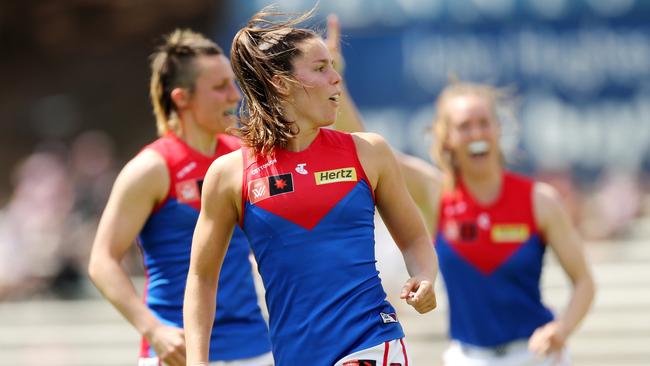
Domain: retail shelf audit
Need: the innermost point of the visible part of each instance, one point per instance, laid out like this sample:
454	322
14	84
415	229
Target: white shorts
512	354
391	353
263	360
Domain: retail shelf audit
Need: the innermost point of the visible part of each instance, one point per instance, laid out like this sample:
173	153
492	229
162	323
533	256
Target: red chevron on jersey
187	167
486	236
322	174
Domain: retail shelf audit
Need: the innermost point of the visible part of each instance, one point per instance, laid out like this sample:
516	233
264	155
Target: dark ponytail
260	51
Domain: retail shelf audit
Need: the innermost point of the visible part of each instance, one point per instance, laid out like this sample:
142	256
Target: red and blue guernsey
309	217
239	329
491	260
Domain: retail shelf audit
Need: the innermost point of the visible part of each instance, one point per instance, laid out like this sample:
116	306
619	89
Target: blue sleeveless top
239	329
309	217
491	260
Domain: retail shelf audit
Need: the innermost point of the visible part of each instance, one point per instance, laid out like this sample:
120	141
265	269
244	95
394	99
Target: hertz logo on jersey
336	175
510	233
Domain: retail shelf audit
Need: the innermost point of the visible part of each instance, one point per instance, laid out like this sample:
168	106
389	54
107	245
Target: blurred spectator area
74	107
73	65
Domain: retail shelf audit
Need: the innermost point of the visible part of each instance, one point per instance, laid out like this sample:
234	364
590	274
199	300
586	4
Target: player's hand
169	344
419	294
548	339
333	42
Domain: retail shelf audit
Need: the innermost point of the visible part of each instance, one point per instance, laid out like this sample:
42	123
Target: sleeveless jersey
239	329
491	260
309	218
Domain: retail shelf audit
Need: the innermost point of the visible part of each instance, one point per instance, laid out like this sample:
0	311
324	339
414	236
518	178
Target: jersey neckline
313	145
493	203
194	152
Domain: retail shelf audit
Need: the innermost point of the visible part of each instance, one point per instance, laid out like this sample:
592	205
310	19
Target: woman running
305	197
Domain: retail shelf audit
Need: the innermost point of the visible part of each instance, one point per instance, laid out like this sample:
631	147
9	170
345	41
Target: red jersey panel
487	235
280	183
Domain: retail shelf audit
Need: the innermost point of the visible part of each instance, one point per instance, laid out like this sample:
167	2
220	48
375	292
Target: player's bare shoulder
147	173
369	139
225	174
547	203
374	153
420	170
371	146
147	163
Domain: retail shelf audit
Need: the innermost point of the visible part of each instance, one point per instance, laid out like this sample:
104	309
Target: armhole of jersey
535	228
445	195
442	198
160	204
363	172
244	191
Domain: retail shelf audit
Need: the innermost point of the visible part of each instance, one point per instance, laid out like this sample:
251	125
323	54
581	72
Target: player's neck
199	139
303	139
485	188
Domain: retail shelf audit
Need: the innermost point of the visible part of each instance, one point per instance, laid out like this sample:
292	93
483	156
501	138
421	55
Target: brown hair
172	66
265	48
496	98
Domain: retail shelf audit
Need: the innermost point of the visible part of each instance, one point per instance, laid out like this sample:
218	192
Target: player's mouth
478	148
335	97
230	112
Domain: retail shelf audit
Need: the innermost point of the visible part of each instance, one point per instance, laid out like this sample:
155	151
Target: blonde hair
172	66
497	98
261	50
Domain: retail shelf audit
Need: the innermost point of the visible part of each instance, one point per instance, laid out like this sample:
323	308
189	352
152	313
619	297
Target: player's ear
181	97
281	84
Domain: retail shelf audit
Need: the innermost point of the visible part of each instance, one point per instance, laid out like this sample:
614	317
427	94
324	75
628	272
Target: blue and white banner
580	67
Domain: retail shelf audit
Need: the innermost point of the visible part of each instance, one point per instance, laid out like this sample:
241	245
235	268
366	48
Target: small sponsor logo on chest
186	169
263	188
336	175
189	190
509	233
264	166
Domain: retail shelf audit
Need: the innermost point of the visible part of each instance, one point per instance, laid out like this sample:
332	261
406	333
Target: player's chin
230	120
327	121
224	124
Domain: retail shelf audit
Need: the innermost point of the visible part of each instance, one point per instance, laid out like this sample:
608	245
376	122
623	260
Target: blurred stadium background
75	108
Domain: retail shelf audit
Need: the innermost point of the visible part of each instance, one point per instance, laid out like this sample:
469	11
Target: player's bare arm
141	184
220	208
424	183
401	218
563	238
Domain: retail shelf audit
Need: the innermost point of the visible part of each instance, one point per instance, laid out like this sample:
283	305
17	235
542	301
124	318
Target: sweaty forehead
214	67
467	107
313	49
